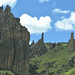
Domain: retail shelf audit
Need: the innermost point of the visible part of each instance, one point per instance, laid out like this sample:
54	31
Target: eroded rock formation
14	43
39	48
32	42
71	47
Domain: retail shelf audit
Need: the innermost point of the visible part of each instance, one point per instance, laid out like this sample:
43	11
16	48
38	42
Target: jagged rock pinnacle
42	38
72	35
71	47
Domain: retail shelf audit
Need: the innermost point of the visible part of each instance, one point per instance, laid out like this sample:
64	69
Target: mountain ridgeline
58	59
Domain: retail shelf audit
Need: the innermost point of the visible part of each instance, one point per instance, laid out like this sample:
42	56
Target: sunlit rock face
14	43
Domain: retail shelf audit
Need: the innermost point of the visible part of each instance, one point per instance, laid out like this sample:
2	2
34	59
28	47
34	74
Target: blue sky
56	18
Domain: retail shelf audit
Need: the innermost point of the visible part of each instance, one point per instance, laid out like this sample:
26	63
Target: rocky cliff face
38	49
14	43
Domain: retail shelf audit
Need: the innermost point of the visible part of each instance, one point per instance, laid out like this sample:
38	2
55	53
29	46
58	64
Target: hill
56	61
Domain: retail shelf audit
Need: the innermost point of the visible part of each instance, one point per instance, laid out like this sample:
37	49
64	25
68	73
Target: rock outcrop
32	42
14	43
38	49
71	47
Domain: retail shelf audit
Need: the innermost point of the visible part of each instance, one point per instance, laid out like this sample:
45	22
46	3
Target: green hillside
70	72
5	72
55	61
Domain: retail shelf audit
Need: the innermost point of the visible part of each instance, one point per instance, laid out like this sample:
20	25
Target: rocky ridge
38	49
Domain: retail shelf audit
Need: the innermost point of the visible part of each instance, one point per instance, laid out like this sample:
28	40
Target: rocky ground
56	61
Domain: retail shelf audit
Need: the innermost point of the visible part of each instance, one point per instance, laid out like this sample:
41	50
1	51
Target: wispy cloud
8	2
66	23
41	1
60	11
34	24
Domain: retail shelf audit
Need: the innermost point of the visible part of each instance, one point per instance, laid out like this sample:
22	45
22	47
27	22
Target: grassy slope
61	57
5	71
70	72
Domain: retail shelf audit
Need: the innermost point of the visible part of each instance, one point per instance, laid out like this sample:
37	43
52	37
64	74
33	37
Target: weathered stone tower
38	48
32	42
71	47
42	38
1	9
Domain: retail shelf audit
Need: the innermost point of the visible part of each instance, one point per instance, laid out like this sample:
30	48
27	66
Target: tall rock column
71	47
42	38
72	35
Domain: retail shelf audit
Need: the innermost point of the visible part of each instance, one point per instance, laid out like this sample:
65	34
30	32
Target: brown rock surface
71	47
38	49
14	43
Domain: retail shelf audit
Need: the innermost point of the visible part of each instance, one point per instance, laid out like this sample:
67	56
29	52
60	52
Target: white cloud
62	17
35	25
30	42
8	2
60	11
66	23
41	1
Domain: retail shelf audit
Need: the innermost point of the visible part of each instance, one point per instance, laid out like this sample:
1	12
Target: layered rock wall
14	43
